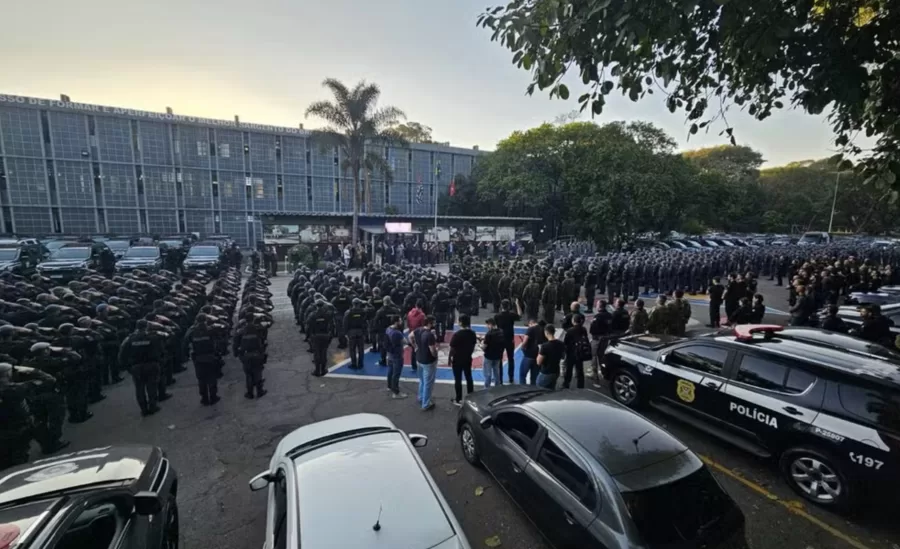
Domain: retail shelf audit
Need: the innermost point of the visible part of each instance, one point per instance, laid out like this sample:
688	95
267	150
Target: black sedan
116	496
589	472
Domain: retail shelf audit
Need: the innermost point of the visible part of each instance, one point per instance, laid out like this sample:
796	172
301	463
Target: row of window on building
64	135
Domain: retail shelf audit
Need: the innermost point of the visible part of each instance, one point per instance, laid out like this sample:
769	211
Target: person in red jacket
415	319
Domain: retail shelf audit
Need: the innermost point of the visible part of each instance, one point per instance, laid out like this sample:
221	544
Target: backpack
583	348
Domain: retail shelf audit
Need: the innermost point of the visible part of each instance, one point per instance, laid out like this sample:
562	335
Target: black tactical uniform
355	325
141	352
320	325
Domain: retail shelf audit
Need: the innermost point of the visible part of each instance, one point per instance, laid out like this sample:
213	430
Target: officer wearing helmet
354	326
341	303
140	353
320	326
46	400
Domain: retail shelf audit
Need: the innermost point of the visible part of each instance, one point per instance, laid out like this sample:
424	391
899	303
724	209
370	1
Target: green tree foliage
703	56
300	254
726	193
601	182
353	120
466	201
414	132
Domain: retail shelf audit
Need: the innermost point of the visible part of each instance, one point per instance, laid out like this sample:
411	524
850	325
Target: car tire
469	445
817	477
624	387
172	532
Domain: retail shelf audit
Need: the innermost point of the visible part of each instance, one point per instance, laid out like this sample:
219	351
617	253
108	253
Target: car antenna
638	439
377	526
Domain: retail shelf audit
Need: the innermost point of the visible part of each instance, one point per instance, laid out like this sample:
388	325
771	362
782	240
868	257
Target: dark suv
204	257
831	416
144	257
72	260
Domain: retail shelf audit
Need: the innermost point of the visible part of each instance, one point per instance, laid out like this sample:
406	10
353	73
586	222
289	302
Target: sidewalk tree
414	132
352	121
702	57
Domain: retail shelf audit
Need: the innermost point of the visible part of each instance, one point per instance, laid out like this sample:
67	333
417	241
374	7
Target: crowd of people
391	307
61	344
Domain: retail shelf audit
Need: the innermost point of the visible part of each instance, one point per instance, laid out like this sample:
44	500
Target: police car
831	416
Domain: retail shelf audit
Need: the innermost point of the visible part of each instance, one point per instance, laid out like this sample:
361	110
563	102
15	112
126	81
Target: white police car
831	416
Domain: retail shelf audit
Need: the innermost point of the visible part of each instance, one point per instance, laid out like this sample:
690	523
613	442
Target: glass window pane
762	373
700	358
567	472
520	428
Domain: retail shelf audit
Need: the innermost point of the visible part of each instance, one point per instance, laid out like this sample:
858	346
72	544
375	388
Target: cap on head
40	347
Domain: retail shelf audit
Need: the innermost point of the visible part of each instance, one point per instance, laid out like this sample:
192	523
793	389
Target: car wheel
816	477
624	387
171	533
469	444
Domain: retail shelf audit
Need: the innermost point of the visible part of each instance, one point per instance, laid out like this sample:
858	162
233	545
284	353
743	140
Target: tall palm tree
353	120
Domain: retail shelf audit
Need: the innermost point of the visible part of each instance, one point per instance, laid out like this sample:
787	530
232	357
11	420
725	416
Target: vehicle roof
607	430
837	340
875	369
359	479
110	464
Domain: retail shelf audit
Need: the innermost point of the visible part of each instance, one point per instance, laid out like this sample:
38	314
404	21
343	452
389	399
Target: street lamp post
837	182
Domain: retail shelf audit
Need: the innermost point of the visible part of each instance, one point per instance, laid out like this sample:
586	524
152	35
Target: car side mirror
486	422
147	503
418	441
260	481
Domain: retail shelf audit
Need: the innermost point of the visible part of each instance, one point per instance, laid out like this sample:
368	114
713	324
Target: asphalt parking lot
217	450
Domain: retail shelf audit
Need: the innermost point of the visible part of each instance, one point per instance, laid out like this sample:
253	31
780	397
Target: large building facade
77	168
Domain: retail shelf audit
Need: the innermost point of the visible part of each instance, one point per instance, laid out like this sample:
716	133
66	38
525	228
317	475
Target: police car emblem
685	390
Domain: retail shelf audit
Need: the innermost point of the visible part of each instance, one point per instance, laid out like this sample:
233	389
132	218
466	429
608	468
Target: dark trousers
207	371
146	384
510	348
598	346
357	350
578	366
320	352
462	366
253	367
715	313
442	320
382	348
48	411
77	397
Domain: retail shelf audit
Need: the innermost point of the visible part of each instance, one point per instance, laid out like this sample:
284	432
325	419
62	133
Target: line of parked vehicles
65	258
725	241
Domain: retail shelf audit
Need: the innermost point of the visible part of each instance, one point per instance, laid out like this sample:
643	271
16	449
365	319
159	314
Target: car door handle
569	518
516	469
793	411
712	384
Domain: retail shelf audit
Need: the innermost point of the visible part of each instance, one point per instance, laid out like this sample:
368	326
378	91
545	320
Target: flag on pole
420	191
452	186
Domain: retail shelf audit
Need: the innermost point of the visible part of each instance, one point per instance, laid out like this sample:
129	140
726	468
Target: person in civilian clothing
533	338
576	339
415	319
493	346
462	345
550	355
425	346
394	342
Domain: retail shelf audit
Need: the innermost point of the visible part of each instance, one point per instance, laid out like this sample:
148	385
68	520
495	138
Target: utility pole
837	182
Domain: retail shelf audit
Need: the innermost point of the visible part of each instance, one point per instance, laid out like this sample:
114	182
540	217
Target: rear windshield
72	253
118	245
688	509
203	251
812	238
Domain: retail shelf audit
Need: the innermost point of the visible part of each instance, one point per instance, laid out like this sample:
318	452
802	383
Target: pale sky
265	60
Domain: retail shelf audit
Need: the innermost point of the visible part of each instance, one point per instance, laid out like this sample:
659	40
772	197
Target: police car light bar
744	332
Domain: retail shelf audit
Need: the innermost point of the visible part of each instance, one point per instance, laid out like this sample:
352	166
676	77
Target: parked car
812	238
122	497
827	414
364	473
204	257
884	296
145	258
118	247
850	315
590	473
72	260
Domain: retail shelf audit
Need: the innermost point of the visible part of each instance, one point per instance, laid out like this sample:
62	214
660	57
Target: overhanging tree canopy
702	56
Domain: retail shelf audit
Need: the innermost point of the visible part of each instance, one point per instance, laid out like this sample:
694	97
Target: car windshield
203	251
8	254
118	245
71	252
142	252
54	245
172	243
680	511
812	238
693	244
